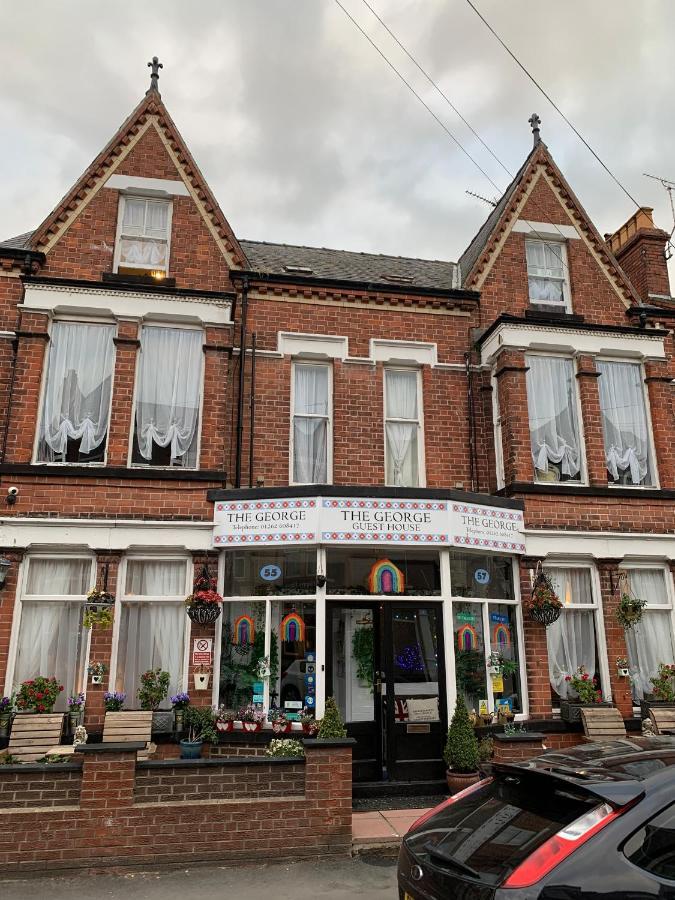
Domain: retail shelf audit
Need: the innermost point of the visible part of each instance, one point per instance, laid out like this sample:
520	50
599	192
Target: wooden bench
130	727
34	734
663	719
602	724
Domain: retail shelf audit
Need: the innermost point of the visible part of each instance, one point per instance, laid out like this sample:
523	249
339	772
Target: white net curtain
650	642
168	392
310	424
402	427
552	408
77	390
545	271
624	422
144	240
571	639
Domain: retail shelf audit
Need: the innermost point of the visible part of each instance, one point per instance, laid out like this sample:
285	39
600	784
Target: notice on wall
363	520
289	521
486	528
202	652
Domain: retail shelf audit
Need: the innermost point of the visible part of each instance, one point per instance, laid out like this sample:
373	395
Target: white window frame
497	433
655	483
566	305
122	597
598	618
120	232
132	429
22	597
421	461
329	419
582	480
43	389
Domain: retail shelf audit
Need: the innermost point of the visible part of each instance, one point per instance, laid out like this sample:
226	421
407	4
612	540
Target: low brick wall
167	812
40	786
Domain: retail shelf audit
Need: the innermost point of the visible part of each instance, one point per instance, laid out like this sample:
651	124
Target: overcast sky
306	136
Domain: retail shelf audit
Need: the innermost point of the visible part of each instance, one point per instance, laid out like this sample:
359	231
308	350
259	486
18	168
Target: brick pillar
7	607
122	411
24	414
217	352
201	698
515	426
328	789
587	378
101	647
518	747
485	440
535	665
108	775
661	397
358	426
614	635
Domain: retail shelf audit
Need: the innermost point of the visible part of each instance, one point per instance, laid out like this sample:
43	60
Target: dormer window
547	273
143	237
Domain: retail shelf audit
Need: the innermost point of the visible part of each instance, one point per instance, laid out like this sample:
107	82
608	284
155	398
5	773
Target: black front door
385	670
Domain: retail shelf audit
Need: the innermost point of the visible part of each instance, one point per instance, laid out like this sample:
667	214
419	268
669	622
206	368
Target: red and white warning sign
202	652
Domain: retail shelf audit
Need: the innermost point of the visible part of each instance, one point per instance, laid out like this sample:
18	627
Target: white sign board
364	520
248	522
202	650
486	528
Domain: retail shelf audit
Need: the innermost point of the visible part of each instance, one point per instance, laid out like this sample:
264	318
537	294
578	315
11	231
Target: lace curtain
144	219
77	391
545	272
168	391
624	420
571	639
402	436
551	403
310	425
651	641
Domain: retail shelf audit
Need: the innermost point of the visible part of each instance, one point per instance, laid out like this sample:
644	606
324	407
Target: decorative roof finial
535	122
155	65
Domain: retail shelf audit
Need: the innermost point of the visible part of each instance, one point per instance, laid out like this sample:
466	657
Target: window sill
116	278
151	473
527	487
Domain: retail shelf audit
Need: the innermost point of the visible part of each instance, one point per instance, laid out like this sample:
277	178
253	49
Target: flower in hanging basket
204	603
543	604
100	597
98	609
629	611
584	686
38	694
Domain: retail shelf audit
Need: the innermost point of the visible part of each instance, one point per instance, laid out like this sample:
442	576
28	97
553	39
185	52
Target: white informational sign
202	652
423	710
486	528
364	520
247	522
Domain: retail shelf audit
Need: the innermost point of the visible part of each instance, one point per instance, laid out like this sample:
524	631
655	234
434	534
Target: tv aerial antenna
669	186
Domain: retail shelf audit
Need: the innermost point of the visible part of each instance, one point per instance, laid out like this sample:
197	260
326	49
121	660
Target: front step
387	790
381	831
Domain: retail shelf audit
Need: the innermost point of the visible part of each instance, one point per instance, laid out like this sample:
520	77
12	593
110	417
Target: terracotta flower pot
457	781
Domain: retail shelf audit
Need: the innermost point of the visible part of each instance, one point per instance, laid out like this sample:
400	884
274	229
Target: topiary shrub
461	747
331	726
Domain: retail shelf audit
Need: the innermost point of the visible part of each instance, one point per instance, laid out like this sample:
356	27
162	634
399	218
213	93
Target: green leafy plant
461	746
584	686
99	609
486	749
38	694
8	759
331	726
53	758
664	683
515	728
363	653
285	747
199	723
154	688
630	609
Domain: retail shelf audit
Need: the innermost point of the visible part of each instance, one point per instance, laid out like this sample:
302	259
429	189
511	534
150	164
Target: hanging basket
545	615
204	614
544	604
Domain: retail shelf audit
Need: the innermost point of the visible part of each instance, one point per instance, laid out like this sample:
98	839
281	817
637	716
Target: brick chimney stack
639	247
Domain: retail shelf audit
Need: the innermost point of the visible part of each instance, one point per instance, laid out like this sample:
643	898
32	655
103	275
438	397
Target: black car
596	821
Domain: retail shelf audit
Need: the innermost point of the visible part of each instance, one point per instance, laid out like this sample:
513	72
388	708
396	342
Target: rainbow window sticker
467	638
292	628
385	578
243	631
501	636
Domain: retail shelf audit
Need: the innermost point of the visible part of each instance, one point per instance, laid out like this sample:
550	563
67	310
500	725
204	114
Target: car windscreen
493	829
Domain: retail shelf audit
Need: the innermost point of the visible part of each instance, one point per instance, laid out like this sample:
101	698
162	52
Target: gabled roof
149	112
20	242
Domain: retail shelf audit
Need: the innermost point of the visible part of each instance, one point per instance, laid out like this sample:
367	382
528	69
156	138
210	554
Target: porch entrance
385	668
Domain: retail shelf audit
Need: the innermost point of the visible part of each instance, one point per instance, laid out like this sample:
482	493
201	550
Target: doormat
373	804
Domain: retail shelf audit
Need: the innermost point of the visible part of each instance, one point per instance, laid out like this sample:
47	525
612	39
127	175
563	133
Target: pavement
364	877
381	828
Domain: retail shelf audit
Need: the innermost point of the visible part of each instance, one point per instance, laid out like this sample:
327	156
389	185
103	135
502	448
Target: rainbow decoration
244	630
292	628
501	635
385	578
467	638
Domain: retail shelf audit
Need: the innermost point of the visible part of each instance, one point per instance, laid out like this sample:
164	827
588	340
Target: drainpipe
472	421
10	391
242	373
252	412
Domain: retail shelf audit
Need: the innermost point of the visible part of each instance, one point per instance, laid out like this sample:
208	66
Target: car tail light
560	846
455	797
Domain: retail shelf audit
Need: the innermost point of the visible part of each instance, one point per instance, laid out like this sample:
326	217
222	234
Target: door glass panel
415	664
241	650
504	650
353	667
469	653
293	642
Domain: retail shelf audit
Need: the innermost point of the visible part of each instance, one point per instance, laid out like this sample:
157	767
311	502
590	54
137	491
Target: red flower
568	677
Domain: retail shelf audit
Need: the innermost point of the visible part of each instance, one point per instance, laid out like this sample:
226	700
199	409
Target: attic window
143	234
300	270
398	279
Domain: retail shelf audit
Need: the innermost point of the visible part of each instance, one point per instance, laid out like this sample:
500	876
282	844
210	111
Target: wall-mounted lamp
5	565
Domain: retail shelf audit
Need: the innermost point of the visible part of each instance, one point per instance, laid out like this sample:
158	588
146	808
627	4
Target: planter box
570	710
646	705
163	721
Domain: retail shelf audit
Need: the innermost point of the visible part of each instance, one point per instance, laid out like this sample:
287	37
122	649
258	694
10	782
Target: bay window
143	236
51	639
403	444
546	273
168	393
554	422
625	423
650	642
311	439
76	401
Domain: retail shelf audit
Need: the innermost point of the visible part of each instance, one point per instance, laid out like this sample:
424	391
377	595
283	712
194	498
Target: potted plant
287	748
587	691
6	713
98	609
331	726
543	604
663	690
622	667
280	724
461	750
153	690
204	603
114	701
38	695
250	717
309	724
630	609
200	725
225	720
75	710
96	671
201	679
179	703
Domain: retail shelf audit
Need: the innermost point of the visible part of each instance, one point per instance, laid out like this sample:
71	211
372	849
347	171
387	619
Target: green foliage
154	688
331	726
663	684
461	747
7	759
486	749
629	611
362	651
199	724
281	747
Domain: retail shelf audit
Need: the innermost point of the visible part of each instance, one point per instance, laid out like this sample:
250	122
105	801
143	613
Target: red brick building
460	422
